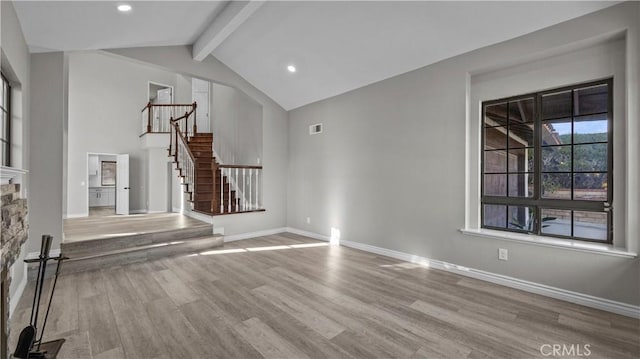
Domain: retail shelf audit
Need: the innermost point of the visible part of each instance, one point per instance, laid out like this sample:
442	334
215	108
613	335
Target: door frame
173	93
86	173
209	126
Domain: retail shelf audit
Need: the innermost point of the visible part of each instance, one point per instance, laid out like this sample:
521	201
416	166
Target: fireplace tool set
29	345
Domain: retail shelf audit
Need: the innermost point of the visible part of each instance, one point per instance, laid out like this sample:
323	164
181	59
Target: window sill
589	247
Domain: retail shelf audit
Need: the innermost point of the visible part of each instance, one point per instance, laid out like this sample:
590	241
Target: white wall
274	137
183	89
106	96
156	162
237	126
48	102
390	168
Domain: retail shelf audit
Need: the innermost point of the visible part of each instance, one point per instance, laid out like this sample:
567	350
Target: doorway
108	184
160	94
200	94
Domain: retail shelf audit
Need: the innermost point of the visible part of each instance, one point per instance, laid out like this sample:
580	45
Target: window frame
6	143
536	200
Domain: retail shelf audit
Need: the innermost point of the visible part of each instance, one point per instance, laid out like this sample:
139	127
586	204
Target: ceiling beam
229	20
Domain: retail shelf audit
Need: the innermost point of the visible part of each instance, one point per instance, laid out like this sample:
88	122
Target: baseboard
266	232
198	216
531	287
137	211
308	234
19	291
80	215
52	253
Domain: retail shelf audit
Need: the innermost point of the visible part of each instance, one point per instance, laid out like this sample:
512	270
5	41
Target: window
547	163
5	113
108	173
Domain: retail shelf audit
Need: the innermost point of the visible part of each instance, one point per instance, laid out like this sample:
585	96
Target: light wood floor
97	227
299	298
102	211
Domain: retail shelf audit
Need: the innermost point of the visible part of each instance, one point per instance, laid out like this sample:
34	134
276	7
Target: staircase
212	188
203	197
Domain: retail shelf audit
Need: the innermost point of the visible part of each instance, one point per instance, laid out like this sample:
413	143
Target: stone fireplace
13	234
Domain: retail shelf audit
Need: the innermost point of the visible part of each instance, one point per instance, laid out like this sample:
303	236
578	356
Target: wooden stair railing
156	118
245	181
213	188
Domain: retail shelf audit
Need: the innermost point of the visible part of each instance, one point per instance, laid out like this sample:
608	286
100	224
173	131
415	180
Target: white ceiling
336	46
92	25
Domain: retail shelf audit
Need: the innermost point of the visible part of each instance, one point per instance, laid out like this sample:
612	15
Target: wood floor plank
266	341
120	291
89	283
65	305
96	317
76	346
139	336
304	313
274	297
115	353
145	287
180	338
175	288
520	344
282	322
219	333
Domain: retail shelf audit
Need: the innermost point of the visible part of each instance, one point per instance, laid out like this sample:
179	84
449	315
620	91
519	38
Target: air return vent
315	129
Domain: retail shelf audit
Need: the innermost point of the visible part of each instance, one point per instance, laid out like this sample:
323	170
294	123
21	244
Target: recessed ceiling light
124	8
291	68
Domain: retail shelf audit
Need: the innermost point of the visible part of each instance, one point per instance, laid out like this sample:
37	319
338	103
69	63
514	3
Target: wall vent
315	129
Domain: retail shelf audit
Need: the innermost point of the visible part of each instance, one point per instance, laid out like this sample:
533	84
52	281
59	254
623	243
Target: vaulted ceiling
335	46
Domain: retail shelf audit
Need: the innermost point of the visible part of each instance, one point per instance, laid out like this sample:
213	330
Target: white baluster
257	189
229	192
221	191
250	199
244	189
235	200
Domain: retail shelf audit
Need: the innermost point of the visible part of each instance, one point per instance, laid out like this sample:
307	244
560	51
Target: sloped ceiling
335	46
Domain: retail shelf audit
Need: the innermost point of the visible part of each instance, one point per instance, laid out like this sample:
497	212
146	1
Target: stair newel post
171	135
149	108
186	116
214	198
195	126
175	126
185	127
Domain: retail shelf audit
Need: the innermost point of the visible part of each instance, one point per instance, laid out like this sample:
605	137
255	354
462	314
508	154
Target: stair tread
145	238
145	247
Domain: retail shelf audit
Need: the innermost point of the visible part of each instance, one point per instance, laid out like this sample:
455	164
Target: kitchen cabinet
102	197
94	165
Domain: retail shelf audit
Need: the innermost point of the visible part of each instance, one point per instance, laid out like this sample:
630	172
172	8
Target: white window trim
544	241
623	124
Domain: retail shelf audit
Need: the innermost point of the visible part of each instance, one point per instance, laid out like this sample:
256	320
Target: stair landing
99	242
114	226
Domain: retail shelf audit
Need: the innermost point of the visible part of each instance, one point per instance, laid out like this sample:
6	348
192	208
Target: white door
200	95
202	111
164	96
163	114
122	184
